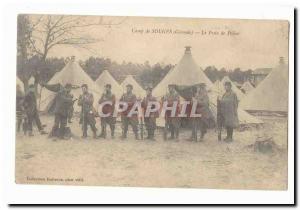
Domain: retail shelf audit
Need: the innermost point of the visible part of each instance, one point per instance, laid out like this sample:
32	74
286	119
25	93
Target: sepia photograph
163	102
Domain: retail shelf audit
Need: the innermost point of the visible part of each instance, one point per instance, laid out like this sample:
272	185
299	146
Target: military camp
113	106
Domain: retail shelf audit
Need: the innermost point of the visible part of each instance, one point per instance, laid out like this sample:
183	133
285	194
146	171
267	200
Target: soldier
30	107
202	100
150	121
63	103
133	120
172	123
108	109
19	107
87	117
228	111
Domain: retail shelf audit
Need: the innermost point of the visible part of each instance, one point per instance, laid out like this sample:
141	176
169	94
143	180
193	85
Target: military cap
228	83
84	85
171	85
202	85
129	85
68	86
108	85
149	88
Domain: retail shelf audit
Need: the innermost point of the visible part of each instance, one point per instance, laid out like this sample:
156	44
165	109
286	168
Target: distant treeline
145	73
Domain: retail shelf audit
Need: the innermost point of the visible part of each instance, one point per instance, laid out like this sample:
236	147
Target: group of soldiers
63	108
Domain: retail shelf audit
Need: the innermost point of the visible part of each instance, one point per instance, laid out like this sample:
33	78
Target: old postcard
152	102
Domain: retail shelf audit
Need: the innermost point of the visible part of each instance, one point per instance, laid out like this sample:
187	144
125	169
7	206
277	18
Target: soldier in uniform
202	100
87	117
108	96
30	107
229	114
172	123
133	120
19	107
150	121
63	103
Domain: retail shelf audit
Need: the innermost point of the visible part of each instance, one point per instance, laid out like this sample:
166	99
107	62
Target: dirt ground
145	163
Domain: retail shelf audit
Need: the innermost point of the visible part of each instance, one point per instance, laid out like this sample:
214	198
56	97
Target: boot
201	137
42	132
112	134
95	135
152	136
30	133
124	135
177	135
219	136
229	135
136	136
84	136
165	135
172	135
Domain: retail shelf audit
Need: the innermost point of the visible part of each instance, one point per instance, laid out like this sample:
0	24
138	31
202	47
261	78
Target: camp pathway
154	164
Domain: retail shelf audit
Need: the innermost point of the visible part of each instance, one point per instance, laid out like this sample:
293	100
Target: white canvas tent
137	89
187	72
71	73
247	87
219	87
106	78
271	94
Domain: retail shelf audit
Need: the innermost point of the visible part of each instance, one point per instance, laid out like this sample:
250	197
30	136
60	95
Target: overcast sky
256	44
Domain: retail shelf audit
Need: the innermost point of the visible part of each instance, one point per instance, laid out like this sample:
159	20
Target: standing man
202	100
19	107
30	107
63	103
228	111
107	109
150	121
172	123
133	120
87	117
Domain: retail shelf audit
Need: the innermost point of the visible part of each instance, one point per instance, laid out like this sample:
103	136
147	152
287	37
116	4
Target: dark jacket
86	101
108	97
29	103
229	106
202	100
130	99
63	99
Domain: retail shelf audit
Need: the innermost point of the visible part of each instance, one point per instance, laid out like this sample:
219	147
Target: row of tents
270	95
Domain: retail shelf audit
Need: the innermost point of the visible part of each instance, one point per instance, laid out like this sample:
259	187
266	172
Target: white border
69	194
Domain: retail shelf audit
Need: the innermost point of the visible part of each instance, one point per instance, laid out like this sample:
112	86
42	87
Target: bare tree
45	32
23	45
49	31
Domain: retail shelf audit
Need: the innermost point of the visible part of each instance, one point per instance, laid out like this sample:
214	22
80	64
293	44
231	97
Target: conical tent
271	94
247	87
74	74
219	87
187	72
106	78
137	89
217	84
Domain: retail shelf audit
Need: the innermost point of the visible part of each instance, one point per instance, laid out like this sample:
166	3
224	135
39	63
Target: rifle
141	115
142	128
219	120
